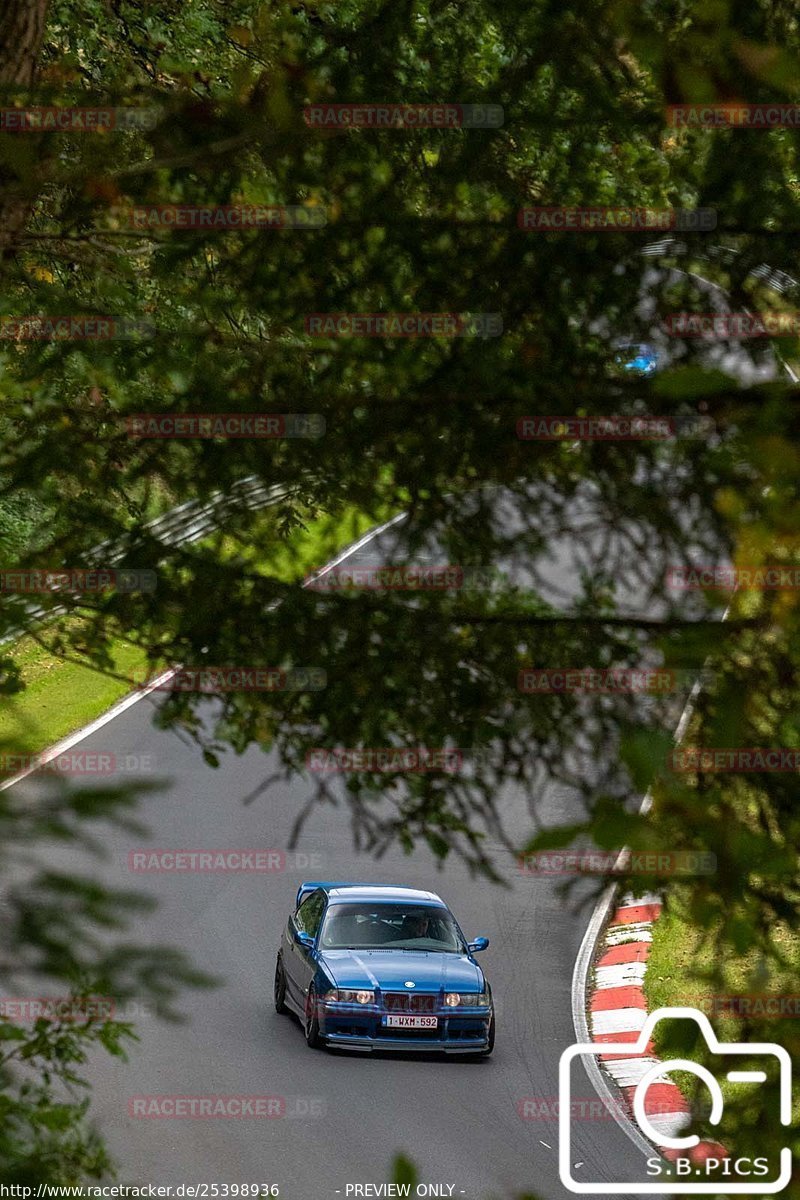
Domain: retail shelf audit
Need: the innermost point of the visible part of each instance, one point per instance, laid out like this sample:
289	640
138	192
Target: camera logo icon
669	1182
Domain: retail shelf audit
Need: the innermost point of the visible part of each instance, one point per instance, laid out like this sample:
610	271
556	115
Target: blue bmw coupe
378	967
637	358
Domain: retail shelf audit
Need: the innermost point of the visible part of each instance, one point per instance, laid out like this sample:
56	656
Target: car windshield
390	927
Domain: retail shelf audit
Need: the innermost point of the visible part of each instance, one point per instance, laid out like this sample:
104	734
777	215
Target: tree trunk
22	25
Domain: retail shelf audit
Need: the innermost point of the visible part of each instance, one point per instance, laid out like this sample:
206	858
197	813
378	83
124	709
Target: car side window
309	915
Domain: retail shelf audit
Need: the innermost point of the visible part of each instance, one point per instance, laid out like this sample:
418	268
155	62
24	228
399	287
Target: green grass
679	970
61	696
308	546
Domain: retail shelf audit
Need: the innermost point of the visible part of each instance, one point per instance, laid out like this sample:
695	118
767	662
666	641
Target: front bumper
363	1028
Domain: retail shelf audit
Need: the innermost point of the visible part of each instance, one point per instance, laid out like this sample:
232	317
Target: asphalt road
346	1115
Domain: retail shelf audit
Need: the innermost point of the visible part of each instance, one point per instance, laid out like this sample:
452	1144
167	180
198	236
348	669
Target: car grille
411	1002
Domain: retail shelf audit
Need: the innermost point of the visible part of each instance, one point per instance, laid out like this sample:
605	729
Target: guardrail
188	522
779	281
196	519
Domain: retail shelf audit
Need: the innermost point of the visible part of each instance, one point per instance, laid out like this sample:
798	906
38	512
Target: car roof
381	893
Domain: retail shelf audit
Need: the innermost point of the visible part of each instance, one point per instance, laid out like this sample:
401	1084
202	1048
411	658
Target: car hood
391	969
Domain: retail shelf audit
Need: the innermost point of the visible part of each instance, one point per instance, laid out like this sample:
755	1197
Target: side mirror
304	939
480	943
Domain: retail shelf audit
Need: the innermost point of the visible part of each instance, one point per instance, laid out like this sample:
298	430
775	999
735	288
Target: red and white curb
618	1011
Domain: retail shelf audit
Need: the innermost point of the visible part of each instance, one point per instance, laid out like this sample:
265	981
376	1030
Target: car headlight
344	996
468	999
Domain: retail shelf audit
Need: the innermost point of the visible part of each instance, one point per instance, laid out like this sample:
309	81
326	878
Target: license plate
411	1022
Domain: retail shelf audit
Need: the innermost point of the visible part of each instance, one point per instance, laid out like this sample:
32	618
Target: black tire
311	1023
280	988
490	1047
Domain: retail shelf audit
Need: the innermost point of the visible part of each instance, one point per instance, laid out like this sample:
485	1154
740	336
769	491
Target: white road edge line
134	697
586	952
585	956
68	742
583	962
363	541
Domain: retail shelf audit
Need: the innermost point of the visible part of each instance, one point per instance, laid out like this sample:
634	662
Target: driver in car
417	926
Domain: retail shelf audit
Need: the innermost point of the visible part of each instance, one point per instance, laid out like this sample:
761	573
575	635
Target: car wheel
280	988
311	1024
490	1047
